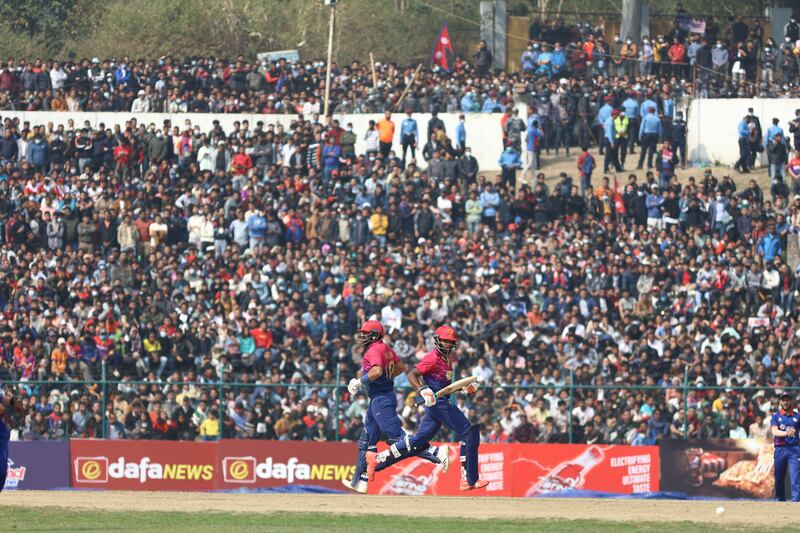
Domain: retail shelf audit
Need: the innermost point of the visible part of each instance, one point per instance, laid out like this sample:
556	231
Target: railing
332	394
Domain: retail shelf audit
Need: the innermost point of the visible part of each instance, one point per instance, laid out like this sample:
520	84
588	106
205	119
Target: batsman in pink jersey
379	366
431	374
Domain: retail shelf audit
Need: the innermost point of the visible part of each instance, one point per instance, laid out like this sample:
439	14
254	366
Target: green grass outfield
63	520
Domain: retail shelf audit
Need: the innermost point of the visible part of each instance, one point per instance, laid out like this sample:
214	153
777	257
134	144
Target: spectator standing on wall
385	128
409	135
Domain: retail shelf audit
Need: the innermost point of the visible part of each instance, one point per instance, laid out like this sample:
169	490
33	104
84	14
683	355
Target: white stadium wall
484	135
713	125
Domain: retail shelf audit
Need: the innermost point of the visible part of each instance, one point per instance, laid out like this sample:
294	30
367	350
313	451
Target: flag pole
330	59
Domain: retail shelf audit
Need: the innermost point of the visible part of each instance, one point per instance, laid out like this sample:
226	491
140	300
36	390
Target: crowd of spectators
159	281
568	73
733	59
251	256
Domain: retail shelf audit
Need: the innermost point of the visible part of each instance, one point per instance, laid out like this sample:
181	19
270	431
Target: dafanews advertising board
200	466
530	470
143	465
261	464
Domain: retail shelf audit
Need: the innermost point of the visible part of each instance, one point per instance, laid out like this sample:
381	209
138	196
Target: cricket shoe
478	485
372	464
361	486
443	453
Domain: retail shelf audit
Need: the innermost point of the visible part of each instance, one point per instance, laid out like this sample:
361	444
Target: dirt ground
742	513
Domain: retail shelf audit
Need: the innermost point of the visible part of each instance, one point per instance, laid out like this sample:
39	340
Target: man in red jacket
677	56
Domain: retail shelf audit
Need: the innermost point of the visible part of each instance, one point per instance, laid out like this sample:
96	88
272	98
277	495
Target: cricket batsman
379	366
785	423
432	373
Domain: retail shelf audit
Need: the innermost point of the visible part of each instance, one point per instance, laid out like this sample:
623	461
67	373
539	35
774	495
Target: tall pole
631	20
331	25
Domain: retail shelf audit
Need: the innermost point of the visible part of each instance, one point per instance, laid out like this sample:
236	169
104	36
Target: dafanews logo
91	469
99	470
239	469
249	470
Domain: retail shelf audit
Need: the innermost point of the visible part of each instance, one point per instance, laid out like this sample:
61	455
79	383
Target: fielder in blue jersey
785	425
7	403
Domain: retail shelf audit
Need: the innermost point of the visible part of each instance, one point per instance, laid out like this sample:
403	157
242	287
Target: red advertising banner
264	464
527	470
143	465
547	468
415	477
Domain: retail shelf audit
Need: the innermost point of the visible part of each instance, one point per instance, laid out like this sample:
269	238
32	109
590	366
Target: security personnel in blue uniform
785	425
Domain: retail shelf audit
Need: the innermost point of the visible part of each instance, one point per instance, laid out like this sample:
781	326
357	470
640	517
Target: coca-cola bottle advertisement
550	469
530	470
569	474
417	477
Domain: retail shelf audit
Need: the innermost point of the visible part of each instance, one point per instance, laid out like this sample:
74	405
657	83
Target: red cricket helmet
371	331
445	339
372	326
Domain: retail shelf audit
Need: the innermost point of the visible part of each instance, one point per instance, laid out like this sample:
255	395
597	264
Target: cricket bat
453	387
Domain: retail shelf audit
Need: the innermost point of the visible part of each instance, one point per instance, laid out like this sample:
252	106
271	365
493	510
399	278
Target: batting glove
428	396
354	386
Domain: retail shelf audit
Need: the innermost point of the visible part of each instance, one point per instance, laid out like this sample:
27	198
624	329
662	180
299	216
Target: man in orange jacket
385	133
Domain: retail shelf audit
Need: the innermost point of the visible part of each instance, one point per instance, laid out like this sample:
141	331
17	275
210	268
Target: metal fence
103	391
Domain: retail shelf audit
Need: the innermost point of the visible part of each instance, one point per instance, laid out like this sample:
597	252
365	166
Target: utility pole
631	20
331	26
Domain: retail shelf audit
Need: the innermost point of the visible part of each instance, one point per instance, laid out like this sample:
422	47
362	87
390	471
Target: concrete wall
713	123
484	135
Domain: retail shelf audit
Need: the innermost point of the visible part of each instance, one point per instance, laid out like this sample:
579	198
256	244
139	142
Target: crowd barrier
720	468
